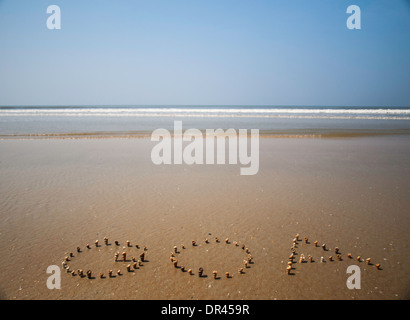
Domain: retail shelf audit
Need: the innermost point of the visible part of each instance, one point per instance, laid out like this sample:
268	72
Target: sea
107	121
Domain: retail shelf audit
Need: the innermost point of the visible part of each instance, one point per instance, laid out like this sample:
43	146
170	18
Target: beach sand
58	194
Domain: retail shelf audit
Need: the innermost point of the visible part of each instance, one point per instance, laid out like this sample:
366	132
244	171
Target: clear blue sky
211	52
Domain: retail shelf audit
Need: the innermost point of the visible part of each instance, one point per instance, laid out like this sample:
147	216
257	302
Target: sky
205	52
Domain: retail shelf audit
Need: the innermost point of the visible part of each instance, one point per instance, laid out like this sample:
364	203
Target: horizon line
198	105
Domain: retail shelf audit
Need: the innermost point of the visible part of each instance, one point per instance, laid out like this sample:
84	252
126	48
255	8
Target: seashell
288	269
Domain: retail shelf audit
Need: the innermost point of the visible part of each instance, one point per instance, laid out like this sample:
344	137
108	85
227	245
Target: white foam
213	112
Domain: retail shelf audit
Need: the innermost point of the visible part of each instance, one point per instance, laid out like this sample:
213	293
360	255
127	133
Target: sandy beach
60	194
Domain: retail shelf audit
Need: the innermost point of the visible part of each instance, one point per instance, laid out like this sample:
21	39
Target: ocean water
130	120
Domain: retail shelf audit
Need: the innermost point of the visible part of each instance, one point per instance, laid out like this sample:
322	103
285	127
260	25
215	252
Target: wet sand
57	194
